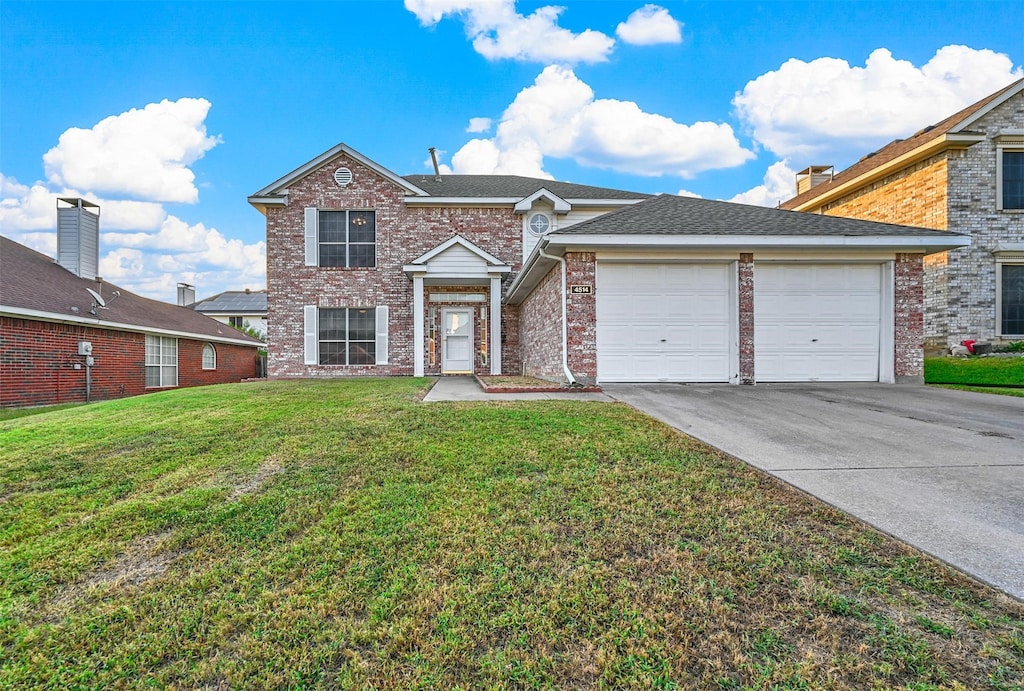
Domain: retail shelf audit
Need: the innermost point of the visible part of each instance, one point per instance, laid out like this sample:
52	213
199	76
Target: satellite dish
100	302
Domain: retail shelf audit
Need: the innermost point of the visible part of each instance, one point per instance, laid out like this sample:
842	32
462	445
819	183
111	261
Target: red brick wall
581	311
540	328
909	318
37	363
746	316
403	233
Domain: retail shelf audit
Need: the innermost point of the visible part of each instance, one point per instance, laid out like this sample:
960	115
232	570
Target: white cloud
778	186
479	125
141	154
499	32
143	248
558	116
650	25
808	108
688	193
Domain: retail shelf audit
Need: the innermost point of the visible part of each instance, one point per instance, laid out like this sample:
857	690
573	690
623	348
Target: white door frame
445	368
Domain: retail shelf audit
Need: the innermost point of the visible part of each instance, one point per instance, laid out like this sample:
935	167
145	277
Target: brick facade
954	190
745	269
541	329
908	364
581	309
403	233
38	363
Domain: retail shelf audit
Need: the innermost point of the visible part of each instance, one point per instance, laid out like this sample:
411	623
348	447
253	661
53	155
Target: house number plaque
581	290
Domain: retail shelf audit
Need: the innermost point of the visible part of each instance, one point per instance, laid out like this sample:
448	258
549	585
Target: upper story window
346	239
1012	165
1010	170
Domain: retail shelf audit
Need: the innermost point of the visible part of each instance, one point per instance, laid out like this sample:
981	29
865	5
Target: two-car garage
678	322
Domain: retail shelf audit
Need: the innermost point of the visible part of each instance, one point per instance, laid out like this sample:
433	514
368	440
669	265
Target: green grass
345	535
12	413
987	371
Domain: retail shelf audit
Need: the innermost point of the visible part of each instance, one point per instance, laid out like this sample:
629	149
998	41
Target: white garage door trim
823	322
668	322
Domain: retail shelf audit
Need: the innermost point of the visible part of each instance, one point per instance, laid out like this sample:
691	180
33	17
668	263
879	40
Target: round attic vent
343	176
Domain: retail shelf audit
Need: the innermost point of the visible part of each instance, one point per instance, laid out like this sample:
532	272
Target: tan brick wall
915	196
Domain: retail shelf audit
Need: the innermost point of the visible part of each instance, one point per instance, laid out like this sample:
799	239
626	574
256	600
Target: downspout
565	321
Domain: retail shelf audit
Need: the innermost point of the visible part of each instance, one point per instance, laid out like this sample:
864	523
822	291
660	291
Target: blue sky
169	114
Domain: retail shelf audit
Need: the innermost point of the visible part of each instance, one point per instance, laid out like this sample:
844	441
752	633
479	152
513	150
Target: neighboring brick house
371	273
59	343
964	174
237	308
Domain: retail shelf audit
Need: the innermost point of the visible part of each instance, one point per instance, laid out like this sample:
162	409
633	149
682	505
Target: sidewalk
467	389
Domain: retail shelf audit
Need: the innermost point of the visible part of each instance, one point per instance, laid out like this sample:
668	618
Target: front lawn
342	534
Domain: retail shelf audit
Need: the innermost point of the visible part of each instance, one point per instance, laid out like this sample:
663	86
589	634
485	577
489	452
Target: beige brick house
370	273
964	174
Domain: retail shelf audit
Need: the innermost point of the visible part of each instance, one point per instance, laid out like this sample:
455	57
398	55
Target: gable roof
669	214
512	187
234	302
669	222
34	286
953	128
274	193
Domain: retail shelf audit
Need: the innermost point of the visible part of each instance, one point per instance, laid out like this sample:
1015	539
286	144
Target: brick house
372	273
965	174
60	343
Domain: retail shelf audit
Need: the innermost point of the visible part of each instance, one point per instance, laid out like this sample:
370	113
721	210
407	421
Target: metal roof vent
343	176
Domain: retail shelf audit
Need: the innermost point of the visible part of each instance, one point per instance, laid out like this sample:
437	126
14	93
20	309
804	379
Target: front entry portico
457	262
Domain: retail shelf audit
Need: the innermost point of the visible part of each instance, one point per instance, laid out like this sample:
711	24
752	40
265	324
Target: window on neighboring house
1011	299
1012	166
237	322
161	361
346	239
209	357
348	336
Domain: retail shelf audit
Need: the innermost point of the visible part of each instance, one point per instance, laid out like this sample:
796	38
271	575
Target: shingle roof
897	148
33	281
671	215
234	302
505	186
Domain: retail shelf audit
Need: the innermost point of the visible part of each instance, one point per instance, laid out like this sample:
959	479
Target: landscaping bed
520	384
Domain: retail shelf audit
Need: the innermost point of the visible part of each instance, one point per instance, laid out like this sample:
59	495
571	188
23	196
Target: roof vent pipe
437	169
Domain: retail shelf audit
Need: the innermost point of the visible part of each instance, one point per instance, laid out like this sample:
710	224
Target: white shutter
382	335
312	251
311	332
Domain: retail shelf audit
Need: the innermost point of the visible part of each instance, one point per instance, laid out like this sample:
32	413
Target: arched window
209	357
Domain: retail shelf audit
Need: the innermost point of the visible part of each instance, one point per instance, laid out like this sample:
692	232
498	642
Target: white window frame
1008	141
1005	256
209	363
311	334
312	237
162	356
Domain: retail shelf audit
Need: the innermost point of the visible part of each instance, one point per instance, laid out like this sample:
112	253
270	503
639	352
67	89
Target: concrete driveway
940	469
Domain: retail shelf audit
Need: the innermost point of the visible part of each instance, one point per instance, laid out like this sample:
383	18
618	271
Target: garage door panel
817	322
663	322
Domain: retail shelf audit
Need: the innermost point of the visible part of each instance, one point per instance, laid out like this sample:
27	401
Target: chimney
186	295
78	236
813	176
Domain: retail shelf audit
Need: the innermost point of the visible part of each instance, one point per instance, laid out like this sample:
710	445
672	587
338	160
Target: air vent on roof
343	176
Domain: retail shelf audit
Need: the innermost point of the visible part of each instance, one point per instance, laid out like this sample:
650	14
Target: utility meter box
84	348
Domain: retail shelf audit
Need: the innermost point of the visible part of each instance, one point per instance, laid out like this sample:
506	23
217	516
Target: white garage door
663	322
817	322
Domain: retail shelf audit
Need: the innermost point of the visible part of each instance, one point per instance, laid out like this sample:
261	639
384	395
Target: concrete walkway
942	470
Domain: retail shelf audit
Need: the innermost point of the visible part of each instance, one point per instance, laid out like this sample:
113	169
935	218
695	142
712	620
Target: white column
417	325
495	325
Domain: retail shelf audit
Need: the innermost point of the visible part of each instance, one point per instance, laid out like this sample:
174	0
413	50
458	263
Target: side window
346	239
209	357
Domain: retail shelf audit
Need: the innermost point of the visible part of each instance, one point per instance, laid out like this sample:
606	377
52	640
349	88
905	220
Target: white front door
457	340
